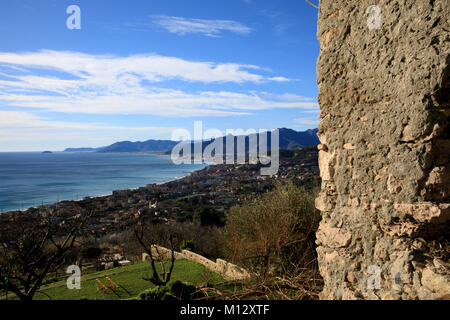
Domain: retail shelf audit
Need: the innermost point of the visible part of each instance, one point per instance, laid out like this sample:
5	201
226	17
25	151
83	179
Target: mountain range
288	139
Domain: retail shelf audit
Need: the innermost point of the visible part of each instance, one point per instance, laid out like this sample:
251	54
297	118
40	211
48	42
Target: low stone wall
161	253
226	269
231	271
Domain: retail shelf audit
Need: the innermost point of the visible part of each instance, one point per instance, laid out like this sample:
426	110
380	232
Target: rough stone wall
384	153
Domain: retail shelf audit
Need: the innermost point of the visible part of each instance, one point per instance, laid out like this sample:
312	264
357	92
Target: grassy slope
130	280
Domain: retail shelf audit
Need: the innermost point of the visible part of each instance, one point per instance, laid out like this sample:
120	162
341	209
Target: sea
30	179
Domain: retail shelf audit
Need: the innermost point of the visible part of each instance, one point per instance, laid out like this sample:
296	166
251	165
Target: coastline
97	196
219	186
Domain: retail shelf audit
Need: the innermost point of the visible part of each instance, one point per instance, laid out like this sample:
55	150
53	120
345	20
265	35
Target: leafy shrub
181	290
174	290
187	245
207	216
156	293
274	234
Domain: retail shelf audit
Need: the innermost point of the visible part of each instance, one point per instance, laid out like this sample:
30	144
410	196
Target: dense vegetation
271	235
274	237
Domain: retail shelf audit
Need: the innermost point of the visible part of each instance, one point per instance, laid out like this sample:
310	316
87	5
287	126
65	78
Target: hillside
145	146
289	139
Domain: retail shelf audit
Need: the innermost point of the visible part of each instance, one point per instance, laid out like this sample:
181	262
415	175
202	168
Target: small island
46	152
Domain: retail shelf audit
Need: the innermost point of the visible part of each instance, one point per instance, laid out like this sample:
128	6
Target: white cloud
210	28
280	79
20	119
26	131
307	121
106	69
271	14
162	103
72	82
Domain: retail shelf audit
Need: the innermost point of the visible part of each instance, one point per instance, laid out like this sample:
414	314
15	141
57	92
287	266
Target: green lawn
130	282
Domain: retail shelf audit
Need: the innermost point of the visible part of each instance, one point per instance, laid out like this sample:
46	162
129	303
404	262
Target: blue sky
137	70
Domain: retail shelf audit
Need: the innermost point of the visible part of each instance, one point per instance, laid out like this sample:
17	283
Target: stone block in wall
332	237
425	212
326	163
435	282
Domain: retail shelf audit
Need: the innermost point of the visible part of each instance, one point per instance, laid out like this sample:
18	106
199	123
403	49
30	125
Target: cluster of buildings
218	186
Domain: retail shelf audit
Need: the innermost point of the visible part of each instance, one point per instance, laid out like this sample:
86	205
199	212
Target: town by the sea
30	179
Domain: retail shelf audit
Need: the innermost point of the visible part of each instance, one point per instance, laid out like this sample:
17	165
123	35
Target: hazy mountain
289	139
145	146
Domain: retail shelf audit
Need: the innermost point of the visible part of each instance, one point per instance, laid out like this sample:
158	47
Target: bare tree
156	255
31	251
